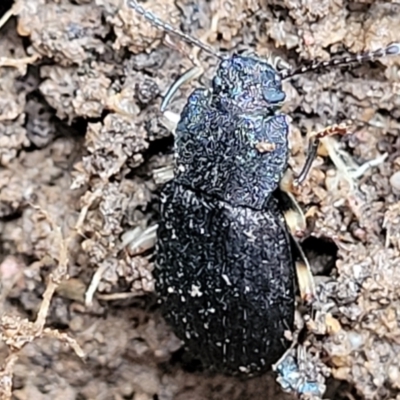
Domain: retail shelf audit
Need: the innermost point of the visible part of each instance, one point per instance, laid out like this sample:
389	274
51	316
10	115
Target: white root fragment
94	284
345	165
137	241
363	168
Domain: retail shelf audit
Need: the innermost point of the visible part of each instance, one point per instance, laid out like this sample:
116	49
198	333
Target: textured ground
80	137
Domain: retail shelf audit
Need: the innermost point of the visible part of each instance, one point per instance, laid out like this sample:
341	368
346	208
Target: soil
81	83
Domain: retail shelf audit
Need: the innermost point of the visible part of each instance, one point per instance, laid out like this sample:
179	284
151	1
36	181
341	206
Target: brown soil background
80	137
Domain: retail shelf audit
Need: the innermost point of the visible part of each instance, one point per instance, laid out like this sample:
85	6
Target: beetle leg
305	278
296	223
193	73
170	120
139	240
314	140
294	215
163	175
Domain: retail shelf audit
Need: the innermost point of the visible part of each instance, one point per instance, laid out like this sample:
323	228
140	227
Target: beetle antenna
170	29
391	50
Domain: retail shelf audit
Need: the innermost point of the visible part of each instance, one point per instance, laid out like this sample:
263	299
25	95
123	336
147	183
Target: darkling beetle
226	257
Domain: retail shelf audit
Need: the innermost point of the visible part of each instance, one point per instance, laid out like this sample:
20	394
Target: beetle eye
273	95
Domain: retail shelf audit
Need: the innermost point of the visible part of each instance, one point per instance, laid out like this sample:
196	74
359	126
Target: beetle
226	255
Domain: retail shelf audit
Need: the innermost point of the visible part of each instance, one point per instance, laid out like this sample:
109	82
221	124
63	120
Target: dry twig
17	332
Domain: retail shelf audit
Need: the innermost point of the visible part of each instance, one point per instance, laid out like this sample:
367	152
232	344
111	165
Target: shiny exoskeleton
224	268
226	263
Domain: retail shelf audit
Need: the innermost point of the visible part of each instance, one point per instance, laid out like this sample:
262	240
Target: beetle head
248	83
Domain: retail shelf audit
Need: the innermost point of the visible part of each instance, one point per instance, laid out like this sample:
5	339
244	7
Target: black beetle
225	269
226	259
